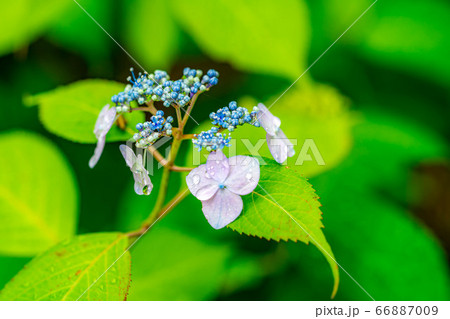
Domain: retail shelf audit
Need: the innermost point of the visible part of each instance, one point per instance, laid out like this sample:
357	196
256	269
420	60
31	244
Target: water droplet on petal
248	176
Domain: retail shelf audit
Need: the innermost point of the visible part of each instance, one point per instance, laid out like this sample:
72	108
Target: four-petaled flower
103	124
142	183
279	145
220	183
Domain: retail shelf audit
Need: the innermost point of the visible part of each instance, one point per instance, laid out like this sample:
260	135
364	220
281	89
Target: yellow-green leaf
75	270
258	36
71	111
38	195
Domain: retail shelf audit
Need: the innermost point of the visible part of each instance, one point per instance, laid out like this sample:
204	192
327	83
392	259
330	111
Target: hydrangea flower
279	145
142	183
231	116
212	140
220	183
151	131
157	86
103	124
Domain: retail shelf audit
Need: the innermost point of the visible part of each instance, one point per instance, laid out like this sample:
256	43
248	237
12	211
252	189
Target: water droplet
113	281
248	176
196	179
217	162
212	173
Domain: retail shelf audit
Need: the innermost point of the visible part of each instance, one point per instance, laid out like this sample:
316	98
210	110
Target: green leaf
38	195
71	111
22	21
67	270
169	270
256	36
284	206
77	31
153	41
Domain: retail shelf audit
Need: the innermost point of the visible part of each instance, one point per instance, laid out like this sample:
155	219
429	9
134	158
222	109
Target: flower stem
189	110
164	186
159	209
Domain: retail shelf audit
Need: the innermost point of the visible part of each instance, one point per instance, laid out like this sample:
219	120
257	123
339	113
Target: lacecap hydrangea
218	184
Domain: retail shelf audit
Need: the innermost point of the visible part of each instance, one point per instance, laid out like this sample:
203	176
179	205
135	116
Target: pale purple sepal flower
279	145
220	183
103	124
142	183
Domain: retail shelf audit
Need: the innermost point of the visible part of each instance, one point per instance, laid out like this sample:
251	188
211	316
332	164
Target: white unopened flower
103	124
142	183
279	145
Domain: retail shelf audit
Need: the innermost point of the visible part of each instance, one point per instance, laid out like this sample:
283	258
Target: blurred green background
376	104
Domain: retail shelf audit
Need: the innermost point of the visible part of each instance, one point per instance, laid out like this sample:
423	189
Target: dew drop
248	176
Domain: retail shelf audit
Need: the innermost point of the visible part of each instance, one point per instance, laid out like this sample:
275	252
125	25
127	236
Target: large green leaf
257	36
38	195
21	21
66	271
153	41
71	111
284	206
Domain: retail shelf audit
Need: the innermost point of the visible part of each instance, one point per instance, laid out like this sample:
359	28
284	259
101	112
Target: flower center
221	186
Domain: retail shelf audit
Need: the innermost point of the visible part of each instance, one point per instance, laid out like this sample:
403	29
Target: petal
280	147
100	119
268	121
105	120
98	151
244	174
223	208
200	184
128	155
142	183
217	166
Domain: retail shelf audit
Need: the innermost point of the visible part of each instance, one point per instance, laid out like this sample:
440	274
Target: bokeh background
376	104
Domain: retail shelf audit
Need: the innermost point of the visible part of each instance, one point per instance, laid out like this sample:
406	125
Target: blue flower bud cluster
151	131
158	87
231	116
211	140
